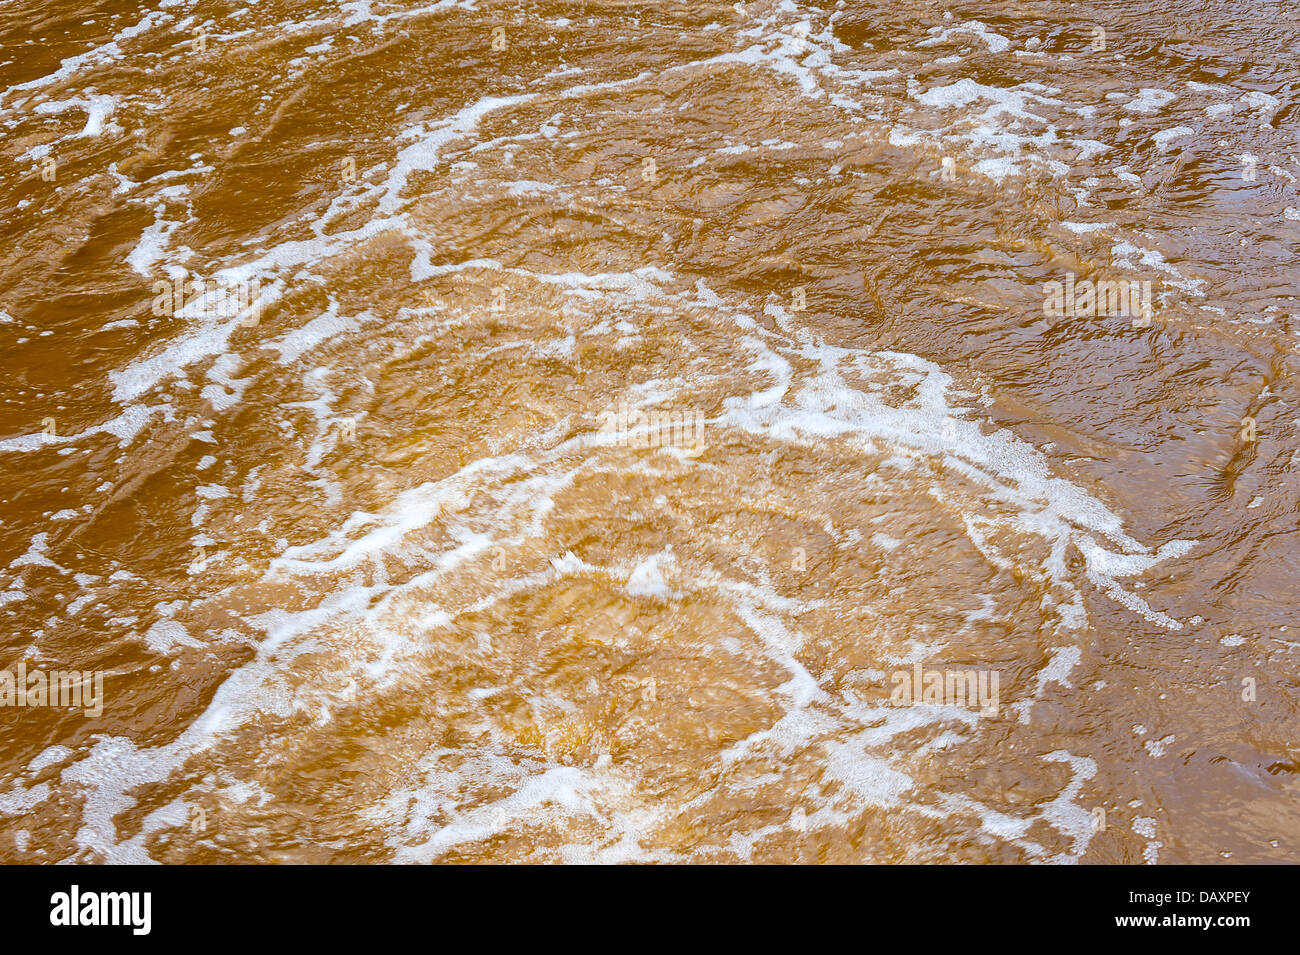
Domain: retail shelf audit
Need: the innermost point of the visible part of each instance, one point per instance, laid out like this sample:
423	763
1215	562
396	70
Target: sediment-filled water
611	432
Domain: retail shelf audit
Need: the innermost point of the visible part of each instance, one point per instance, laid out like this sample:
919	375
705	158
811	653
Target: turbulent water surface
484	431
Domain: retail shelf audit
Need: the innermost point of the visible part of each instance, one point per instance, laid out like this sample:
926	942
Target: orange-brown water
622	396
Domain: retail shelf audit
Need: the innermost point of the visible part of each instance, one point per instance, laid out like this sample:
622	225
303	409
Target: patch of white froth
1145	827
124	427
292	345
1062	813
166	635
528	187
1149	100
424	153
824	406
96	56
21	799
646	579
1263	102
97	107
1166	136
870	778
35	555
213	338
1060	665
998	128
413	509
155	241
329	431
152	247
114	766
880	783
1152	259
1083	228
210	338
428	820
995	42
794	728
1104	566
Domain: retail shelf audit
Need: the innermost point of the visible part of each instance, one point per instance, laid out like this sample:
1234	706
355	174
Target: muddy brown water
475	432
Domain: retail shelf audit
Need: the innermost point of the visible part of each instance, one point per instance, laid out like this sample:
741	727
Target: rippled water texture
483	431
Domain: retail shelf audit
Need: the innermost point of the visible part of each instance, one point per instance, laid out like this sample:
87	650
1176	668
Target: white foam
1083	228
1149	100
1167	136
995	42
